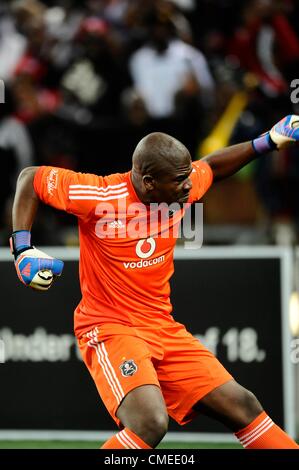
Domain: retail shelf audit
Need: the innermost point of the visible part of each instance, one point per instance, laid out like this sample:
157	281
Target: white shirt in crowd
158	77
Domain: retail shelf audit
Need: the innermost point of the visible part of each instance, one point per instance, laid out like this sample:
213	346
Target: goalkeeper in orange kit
146	366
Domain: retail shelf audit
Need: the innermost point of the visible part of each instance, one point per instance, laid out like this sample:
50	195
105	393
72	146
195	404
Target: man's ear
149	182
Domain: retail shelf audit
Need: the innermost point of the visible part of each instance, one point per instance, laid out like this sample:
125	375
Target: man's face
174	185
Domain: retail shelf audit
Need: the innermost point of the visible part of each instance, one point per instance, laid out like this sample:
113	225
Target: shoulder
179	47
202	178
115	185
99	189
142	54
201	167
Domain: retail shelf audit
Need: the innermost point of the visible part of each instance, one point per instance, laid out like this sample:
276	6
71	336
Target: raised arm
227	161
34	268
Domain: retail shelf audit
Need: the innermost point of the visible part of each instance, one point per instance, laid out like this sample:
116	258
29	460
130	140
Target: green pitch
97	445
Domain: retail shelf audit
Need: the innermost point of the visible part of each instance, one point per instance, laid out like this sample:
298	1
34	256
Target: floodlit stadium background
79	93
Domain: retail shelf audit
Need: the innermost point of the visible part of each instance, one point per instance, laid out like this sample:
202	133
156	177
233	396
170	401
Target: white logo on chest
145	248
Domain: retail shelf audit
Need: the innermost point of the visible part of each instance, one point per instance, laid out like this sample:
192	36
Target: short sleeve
202	178
58	187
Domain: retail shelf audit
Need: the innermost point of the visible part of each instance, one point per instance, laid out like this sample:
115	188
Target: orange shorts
121	358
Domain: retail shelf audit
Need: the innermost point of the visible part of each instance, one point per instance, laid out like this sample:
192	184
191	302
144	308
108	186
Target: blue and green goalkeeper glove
34	267
281	135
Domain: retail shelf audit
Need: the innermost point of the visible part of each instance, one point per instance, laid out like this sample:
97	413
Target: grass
97	445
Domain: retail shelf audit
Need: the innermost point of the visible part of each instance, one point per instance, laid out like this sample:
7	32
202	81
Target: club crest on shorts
128	368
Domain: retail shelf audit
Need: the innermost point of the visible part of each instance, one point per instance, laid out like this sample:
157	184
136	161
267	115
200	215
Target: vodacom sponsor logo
145	249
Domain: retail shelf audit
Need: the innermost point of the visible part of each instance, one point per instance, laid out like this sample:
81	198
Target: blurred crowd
85	80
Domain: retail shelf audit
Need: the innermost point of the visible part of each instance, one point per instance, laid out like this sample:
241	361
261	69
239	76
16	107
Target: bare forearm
26	201
229	160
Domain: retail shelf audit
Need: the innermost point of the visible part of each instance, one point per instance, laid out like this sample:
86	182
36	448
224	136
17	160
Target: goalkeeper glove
282	134
34	267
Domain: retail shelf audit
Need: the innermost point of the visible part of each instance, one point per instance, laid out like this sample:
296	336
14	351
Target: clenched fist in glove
35	268
282	134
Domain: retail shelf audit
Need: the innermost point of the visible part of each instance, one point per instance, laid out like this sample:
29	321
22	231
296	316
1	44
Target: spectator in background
12	43
172	79
62	24
137	14
92	87
34	98
267	46
30	80
94	81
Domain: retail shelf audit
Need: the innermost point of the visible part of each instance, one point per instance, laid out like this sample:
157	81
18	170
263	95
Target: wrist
263	144
20	241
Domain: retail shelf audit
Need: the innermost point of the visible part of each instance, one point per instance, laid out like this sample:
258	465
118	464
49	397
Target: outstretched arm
227	161
34	268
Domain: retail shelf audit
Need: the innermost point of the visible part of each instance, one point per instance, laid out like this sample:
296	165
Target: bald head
161	169
158	153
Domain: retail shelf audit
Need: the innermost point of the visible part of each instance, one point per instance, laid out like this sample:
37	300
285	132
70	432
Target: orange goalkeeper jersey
126	253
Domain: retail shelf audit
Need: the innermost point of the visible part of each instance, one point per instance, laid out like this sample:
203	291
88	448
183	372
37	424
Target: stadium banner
235	299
